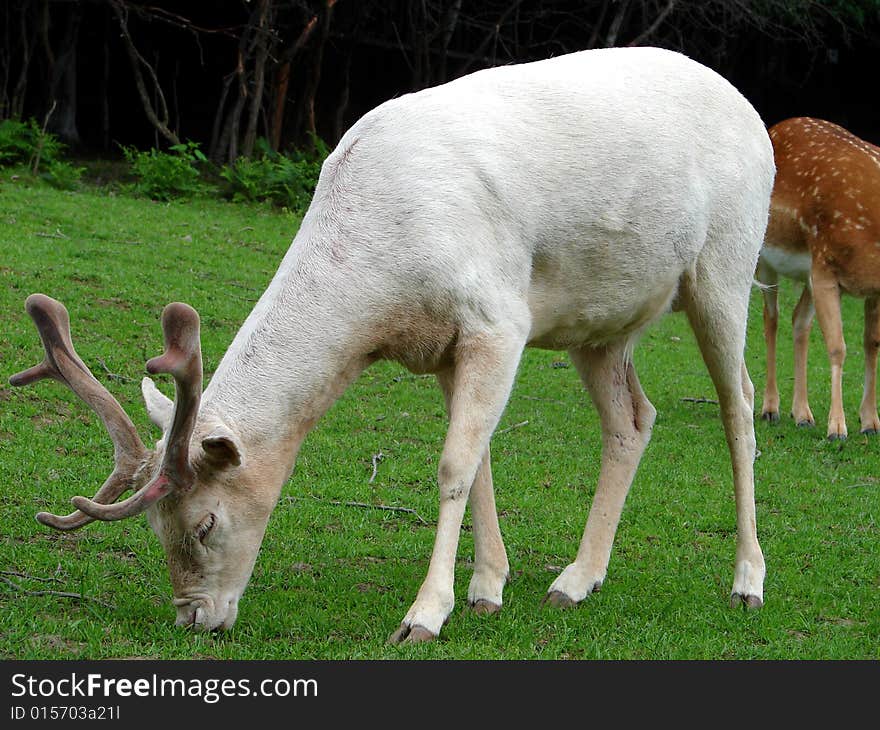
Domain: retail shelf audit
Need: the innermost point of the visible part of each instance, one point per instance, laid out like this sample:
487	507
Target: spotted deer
824	231
563	204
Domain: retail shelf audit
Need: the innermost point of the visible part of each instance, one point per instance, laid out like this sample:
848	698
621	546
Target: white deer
562	204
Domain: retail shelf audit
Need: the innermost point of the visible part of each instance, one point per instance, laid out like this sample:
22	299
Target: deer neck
293	357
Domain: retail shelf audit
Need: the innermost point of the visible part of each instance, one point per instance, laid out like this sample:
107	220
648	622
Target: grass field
334	578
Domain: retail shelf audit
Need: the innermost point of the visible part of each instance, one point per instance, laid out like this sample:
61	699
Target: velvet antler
183	360
63	364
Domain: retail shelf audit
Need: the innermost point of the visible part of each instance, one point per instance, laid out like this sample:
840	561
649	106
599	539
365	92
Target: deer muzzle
204	613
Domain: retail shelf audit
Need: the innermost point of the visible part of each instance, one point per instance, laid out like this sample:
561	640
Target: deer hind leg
484	372
826	294
770	294
627	418
748	387
868	410
801	324
718	318
491	567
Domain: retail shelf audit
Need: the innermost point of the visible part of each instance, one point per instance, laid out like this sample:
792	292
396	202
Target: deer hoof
559	599
771	416
411	635
746	601
483	607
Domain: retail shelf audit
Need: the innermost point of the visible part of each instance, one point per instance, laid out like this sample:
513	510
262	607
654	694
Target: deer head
193	485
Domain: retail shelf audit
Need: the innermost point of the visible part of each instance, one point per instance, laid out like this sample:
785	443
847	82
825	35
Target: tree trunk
282	80
16	102
342	99
617	23
313	78
256	100
450	21
234	121
105	87
62	84
652	28
218	143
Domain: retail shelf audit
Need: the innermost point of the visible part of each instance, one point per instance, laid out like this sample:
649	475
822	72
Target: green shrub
167	175
63	175
286	180
249	179
24	143
17	142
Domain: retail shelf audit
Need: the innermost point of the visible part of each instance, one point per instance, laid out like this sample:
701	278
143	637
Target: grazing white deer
824	230
562	204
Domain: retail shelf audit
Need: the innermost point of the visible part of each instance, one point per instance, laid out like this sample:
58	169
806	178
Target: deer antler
63	364
183	360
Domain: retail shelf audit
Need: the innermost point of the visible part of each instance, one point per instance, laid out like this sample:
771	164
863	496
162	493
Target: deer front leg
868	410
627	418
801	324
826	294
485	368
491	567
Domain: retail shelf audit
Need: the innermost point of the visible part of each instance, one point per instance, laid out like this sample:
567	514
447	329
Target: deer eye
204	527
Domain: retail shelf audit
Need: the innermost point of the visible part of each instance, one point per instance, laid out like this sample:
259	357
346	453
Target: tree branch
136	59
658	21
58	594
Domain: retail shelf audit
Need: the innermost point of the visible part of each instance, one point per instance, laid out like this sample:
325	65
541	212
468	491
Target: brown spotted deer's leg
826	295
768	277
801	324
868	410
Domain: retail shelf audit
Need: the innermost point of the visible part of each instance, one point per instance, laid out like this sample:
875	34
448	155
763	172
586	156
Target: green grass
334	580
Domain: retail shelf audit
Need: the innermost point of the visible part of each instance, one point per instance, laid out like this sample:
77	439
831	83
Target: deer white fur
563	204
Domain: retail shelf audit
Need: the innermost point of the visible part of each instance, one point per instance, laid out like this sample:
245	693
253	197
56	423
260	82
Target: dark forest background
225	74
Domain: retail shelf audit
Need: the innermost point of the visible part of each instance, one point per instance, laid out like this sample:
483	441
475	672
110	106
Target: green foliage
23	143
17	141
167	175
183	171
285	180
799	14
63	175
854	11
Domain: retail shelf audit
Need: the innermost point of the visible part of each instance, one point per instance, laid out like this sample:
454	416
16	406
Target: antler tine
183	360
114	486
63	364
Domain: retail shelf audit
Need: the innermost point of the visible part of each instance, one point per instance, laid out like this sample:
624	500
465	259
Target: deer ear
160	408
222	447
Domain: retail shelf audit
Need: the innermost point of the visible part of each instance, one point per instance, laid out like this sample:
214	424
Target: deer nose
186	615
206	616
